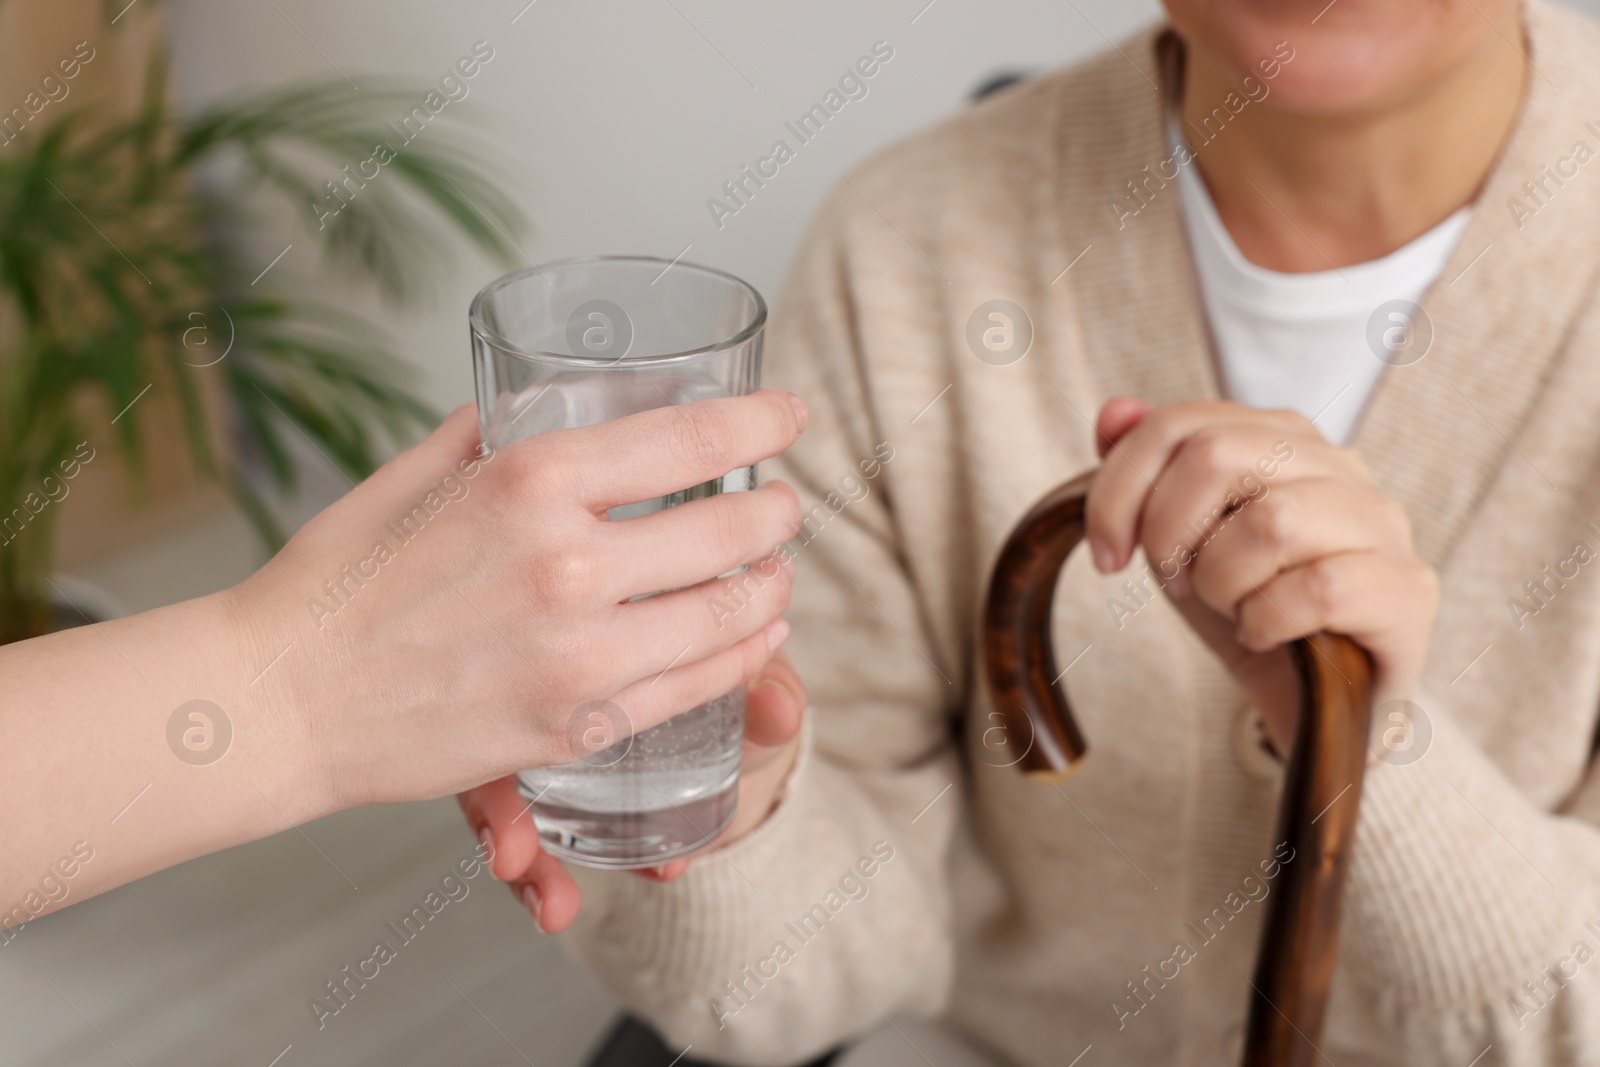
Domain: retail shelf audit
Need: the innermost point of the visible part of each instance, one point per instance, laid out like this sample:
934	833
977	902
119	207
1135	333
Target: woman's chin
1348	79
1357	57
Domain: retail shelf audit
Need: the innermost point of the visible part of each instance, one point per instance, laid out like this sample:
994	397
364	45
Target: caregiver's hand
1261	532
436	628
775	700
472	652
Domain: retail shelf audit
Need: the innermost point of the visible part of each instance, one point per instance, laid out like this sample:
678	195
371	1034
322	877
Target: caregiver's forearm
132	745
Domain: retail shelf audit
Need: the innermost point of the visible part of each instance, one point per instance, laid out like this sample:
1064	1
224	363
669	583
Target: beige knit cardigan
905	871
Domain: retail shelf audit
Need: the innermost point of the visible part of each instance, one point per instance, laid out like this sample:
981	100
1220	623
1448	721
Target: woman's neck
1310	193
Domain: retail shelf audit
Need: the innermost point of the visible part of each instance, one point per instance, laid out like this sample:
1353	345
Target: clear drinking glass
580	342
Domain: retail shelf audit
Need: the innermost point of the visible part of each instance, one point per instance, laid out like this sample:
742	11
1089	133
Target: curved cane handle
1322	782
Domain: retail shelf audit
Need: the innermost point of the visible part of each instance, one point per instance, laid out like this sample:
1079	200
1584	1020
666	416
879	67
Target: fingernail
531	901
486	841
1104	562
799	409
776	633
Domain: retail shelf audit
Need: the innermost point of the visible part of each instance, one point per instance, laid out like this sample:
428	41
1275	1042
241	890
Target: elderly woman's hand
775	700
1261	532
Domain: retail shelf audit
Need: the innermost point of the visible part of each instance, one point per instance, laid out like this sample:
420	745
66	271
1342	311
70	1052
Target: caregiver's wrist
289	742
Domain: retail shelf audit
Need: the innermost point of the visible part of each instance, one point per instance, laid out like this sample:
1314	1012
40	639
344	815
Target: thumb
775	700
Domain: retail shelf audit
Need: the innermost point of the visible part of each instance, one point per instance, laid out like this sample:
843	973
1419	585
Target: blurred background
596	127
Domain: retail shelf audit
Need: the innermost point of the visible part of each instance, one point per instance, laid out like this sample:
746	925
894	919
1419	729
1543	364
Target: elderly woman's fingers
499	817
549	894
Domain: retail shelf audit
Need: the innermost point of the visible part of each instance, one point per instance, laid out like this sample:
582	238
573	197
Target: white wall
622	119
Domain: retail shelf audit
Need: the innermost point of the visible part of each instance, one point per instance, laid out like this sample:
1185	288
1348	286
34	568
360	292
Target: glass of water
581	342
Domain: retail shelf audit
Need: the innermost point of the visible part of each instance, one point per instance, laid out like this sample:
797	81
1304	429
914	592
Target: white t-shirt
1301	341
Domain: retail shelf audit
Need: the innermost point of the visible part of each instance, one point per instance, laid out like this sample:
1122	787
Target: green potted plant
120	274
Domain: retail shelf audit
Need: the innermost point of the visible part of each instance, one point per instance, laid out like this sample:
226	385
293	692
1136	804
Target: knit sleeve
1472	916
835	911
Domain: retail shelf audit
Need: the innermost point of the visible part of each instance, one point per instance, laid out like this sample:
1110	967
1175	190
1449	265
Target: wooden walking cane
1294	966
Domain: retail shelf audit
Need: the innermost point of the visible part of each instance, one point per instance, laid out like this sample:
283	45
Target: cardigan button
1250	745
